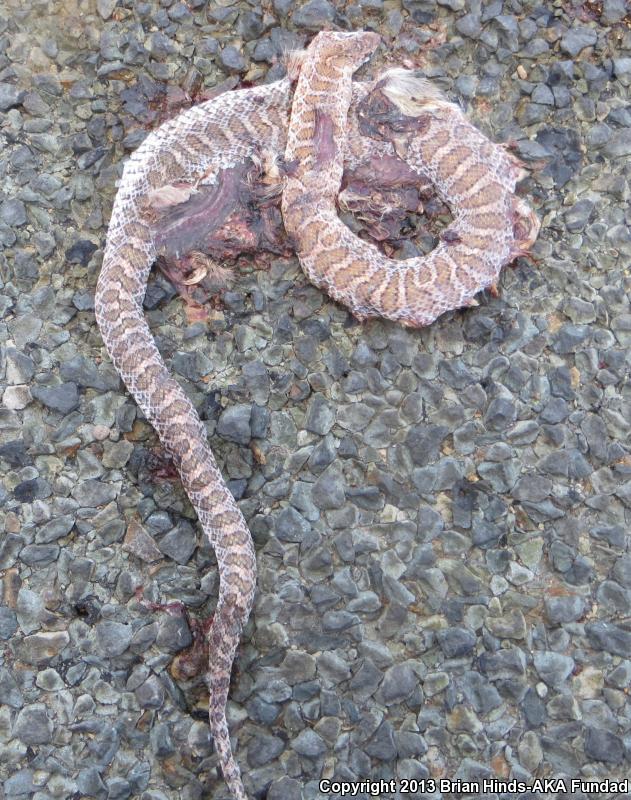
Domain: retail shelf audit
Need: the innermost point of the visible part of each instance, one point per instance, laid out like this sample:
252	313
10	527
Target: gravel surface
440	516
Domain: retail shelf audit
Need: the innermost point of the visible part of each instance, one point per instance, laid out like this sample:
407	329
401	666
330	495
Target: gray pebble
553	668
234	424
151	693
383	745
469	25
576	39
263	749
309	744
366	679
10	96
291	526
328	490
455	642
20	784
602	745
399	682
92	493
10	693
313	15
112	638
232	59
562	609
285	788
63	398
33	725
577	217
179	543
13	212
320	415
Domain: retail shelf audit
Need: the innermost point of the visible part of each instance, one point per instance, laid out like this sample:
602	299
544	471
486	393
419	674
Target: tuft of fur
293	60
412	95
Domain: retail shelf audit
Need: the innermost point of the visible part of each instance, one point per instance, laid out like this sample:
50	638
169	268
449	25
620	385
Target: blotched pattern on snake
335	125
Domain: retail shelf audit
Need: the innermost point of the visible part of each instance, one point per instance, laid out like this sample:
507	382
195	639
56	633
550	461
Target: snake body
475	177
197	149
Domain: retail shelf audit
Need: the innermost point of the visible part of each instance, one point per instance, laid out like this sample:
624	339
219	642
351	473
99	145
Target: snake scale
335	123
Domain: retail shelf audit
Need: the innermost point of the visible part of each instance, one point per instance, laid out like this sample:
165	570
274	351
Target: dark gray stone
33	725
10	693
179	543
263	749
399	682
234	424
112	638
10	96
63	398
609	637
151	693
576	39
291	526
500	414
309	744
13	211
578	215
481	694
320	415
469	25
55	529
455	642
314	15
602	745
92	493
232	59
19	784
383	745
366	679
328	490
174	633
562	609
8	622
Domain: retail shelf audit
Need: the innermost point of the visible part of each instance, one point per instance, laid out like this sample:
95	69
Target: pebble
234	424
232	59
33	726
112	638
314	14
577	39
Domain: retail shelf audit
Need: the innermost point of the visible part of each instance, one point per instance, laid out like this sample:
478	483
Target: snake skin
475	177
192	150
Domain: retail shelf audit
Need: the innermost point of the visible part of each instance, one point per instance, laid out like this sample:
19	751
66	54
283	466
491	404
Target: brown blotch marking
148	376
129	283
413	281
355	270
328	238
477	242
303	152
487	223
308	116
308	235
440	138
443	269
389	298
476	267
336	256
487	195
469	178
317	83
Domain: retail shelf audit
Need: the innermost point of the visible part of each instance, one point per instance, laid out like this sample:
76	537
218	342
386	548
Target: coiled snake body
193	151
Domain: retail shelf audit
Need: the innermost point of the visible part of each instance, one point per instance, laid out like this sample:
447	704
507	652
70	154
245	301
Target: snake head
345	52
